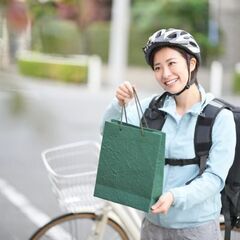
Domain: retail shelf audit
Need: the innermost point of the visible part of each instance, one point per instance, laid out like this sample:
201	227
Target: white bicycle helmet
172	37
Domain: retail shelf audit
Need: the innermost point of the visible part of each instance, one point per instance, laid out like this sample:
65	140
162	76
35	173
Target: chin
171	91
174	89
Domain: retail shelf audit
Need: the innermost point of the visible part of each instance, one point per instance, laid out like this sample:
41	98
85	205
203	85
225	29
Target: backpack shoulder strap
203	131
153	117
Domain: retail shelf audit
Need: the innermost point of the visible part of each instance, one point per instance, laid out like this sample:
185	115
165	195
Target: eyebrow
168	60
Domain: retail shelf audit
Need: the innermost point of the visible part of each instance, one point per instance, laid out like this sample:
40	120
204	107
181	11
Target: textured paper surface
131	162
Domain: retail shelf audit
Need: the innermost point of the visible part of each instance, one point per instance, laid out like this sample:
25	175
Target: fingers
163	204
124	93
157	205
160	206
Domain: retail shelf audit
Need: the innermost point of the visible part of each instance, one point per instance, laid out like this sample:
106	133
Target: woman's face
170	69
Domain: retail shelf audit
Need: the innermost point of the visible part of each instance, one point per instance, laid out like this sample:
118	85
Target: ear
193	63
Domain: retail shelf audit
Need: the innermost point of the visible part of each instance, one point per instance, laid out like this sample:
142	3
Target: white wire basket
72	172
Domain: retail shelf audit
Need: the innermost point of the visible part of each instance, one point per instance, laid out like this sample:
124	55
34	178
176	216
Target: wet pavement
39	114
36	115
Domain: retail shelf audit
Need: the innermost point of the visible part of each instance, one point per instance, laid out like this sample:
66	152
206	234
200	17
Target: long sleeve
219	162
199	201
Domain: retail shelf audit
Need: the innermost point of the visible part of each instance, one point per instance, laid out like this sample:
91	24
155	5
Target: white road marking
28	209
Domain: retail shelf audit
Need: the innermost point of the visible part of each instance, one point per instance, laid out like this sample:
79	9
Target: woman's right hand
124	93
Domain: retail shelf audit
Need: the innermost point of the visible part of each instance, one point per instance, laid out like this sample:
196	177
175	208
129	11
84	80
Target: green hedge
55	36
97	38
63	37
137	40
66	72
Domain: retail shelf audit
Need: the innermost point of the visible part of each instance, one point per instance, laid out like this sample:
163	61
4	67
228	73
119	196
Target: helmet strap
188	84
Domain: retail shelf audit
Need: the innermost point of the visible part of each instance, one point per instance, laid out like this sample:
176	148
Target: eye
156	69
172	63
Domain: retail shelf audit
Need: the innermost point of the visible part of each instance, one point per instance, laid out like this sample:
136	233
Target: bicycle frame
126	217
130	219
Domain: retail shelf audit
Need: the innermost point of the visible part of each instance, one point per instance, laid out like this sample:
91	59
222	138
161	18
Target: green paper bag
131	162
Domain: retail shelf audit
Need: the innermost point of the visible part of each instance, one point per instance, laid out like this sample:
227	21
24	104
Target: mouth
170	82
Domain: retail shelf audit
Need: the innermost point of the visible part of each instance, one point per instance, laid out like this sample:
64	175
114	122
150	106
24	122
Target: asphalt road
36	115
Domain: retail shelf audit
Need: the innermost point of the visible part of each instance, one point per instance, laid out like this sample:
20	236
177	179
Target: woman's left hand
163	204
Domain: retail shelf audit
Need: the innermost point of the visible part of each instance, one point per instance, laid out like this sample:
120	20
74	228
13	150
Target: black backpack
154	118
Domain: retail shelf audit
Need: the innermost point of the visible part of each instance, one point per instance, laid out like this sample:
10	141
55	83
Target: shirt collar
170	104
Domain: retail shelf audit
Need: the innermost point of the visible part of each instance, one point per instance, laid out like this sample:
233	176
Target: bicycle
72	171
86	217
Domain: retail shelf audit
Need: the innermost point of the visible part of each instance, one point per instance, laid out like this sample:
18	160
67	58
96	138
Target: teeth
170	82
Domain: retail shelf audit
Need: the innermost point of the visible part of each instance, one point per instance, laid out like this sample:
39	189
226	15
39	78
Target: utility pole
118	48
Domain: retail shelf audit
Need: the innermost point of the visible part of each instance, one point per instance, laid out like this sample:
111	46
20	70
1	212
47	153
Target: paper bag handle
139	110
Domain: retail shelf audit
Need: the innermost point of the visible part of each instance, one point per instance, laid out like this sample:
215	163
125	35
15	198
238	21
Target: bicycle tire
46	231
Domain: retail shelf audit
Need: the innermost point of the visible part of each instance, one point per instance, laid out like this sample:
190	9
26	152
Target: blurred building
227	16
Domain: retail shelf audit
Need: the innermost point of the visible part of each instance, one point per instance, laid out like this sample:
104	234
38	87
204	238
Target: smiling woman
190	205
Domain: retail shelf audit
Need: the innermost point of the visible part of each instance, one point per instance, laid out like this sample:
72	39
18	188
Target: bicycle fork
99	227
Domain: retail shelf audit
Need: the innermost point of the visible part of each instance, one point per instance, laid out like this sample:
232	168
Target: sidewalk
142	78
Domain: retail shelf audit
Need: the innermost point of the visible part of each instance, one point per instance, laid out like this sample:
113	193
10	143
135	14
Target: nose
166	72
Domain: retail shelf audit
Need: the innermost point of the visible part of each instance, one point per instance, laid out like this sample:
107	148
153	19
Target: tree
191	15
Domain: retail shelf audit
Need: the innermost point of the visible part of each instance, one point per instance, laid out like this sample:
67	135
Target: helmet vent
159	34
193	44
183	33
172	35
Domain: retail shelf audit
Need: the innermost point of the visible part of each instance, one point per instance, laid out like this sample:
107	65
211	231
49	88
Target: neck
187	99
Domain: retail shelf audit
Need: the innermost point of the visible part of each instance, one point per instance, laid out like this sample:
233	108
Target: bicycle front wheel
78	226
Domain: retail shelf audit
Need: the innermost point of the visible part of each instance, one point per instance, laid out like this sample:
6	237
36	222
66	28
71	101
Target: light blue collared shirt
199	201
